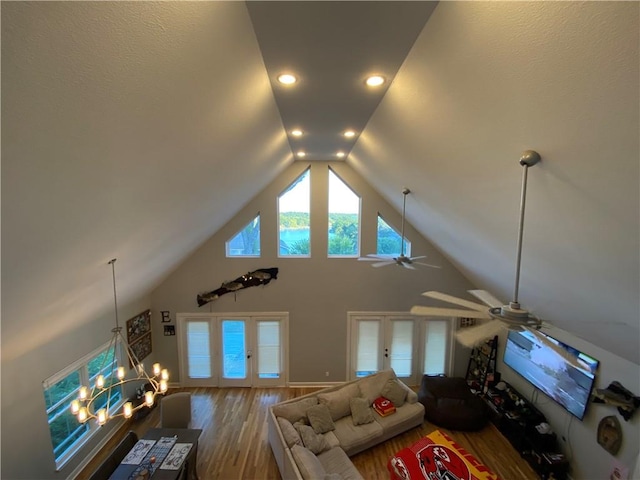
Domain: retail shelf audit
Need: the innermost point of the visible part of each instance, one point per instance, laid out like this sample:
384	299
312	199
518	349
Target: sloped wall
318	291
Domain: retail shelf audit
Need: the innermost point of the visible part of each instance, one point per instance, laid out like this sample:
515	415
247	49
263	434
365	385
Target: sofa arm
412	397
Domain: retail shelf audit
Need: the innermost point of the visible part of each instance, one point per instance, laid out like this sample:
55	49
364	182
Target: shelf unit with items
481	370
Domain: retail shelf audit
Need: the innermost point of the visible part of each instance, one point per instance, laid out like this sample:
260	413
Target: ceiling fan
511	316
401	260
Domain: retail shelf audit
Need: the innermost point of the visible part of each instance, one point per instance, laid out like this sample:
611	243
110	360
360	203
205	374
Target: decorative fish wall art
261	276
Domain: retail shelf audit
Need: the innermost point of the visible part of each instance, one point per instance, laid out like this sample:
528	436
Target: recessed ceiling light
296	132
340	154
287	79
349	133
375	80
301	154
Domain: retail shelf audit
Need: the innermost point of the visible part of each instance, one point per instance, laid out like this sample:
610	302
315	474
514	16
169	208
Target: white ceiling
136	130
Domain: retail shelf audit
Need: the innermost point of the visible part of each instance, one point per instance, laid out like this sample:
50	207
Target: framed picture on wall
138	326
141	347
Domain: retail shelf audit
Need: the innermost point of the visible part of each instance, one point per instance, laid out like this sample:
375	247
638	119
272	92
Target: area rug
437	457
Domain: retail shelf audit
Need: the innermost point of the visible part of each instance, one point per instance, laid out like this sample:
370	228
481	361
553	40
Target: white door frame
215	345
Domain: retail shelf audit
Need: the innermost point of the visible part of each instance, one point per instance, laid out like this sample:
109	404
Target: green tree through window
344	218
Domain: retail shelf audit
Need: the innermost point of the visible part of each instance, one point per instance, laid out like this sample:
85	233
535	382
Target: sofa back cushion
312	440
338	400
371	386
294	411
395	392
290	434
320	418
308	464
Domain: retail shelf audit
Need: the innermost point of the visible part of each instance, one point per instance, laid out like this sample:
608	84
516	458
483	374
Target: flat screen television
538	363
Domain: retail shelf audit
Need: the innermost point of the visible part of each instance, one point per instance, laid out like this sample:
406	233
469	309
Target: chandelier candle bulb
120	373
75	407
163	386
102	416
82	393
156	369
148	399
164	374
127	410
100	381
82	415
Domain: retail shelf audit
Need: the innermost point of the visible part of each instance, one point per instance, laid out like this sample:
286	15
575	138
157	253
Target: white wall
588	459
318	292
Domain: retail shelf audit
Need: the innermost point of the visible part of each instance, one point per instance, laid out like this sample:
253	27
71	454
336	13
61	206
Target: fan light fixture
84	406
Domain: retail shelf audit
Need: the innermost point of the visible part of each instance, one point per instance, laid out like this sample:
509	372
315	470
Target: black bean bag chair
449	403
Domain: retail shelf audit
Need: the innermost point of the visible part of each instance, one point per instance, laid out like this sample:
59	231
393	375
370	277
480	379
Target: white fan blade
447	312
408	265
472	336
456	301
487	298
418	258
572	359
427	265
382	264
371	258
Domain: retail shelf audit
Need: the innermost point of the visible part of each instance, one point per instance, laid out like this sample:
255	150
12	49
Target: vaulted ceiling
137	129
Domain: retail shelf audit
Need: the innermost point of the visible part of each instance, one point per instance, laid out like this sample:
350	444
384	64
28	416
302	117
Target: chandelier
105	386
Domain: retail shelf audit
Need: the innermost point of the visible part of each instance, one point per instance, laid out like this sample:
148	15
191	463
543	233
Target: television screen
541	365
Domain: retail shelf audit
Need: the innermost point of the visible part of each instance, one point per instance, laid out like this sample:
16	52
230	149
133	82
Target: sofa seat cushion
309	465
352	436
338	400
335	461
295	411
405	417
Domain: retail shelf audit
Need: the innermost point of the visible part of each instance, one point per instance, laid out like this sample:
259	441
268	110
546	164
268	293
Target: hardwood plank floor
234	443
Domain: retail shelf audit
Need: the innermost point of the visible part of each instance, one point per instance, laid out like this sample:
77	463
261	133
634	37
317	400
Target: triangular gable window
246	243
390	241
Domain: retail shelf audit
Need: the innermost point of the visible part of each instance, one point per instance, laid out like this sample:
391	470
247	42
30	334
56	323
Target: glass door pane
198	349
367	347
435	347
235	353
401	347
233	349
268	349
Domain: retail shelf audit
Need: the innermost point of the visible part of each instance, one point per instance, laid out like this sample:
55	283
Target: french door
411	345
232	350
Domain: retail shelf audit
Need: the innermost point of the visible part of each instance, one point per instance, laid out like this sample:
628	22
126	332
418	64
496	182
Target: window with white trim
389	240
245	243
294	218
344	219
67	434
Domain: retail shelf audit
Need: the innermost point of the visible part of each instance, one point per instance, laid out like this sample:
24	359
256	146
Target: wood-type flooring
234	443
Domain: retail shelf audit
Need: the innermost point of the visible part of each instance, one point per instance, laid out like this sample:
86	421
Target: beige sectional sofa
313	436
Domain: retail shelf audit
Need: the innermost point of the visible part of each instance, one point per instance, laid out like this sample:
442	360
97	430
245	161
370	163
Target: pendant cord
405	192
520	232
115	297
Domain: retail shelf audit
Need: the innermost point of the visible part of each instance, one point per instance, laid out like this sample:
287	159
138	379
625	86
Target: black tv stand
523	425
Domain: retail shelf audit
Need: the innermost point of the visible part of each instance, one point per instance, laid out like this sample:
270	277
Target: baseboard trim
313	384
